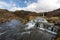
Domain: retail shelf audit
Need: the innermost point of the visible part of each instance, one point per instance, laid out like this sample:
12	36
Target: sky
30	5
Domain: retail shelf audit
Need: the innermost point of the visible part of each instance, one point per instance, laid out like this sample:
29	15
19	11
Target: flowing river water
13	31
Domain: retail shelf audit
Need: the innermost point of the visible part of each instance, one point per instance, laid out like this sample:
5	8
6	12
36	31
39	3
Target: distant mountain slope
6	15
54	13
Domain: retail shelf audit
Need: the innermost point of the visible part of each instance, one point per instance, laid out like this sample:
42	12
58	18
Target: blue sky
30	5
19	3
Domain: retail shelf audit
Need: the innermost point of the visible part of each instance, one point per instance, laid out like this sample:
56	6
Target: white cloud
31	7
40	5
25	1
8	6
48	5
44	5
15	8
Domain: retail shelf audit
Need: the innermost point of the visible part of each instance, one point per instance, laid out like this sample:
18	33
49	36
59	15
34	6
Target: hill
53	13
25	16
6	15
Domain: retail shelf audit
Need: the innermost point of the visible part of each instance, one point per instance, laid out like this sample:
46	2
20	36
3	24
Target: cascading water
44	32
31	31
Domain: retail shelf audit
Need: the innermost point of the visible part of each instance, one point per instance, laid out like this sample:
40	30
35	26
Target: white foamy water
31	24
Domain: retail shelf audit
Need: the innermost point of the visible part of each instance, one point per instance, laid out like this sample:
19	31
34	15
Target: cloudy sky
30	5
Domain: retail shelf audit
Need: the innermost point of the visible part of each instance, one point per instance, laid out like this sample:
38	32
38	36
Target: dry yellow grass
53	19
58	39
